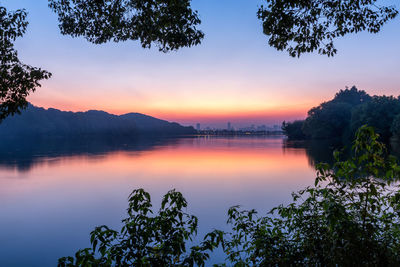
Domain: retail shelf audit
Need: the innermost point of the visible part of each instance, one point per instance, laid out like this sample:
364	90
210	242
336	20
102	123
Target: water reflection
24	154
54	192
317	151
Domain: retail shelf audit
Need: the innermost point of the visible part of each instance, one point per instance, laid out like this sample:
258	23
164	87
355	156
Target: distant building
229	125
198	126
262	128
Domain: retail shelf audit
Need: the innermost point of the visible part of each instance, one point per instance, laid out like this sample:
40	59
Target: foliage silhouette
17	79
295	26
395	129
300	27
169	24
146	240
331	119
344	114
294	130
378	113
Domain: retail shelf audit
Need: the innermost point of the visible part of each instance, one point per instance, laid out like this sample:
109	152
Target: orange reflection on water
57	200
198	156
204	161
248	162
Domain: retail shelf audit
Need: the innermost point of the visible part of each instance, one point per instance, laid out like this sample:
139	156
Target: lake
54	192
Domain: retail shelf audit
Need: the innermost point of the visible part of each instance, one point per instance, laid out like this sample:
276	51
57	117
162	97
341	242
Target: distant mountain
40	121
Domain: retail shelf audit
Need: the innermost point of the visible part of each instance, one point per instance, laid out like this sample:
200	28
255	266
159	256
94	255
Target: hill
40	121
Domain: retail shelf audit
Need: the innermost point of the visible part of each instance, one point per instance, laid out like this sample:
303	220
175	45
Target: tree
328	120
395	128
294	130
345	113
332	119
17	79
351	96
378	113
169	24
299	26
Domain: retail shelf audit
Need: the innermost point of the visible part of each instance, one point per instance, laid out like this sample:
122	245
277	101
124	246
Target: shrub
145	240
351	216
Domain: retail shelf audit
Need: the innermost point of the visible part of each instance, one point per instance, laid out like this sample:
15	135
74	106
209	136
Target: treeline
345	113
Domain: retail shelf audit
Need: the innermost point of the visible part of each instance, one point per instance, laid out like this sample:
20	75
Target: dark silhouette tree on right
332	119
379	113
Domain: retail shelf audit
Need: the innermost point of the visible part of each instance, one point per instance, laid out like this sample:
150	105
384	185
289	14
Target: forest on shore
340	117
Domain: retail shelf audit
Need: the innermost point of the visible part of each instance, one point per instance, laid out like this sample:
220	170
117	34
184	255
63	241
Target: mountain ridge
40	121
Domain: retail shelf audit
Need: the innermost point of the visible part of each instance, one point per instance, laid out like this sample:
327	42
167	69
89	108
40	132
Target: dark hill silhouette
40	121
148	124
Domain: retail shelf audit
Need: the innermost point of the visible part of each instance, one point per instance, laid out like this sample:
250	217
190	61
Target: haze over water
52	199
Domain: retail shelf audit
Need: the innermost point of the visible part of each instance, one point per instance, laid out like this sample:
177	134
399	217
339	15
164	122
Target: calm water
54	192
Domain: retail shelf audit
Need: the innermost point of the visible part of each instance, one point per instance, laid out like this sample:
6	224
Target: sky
232	76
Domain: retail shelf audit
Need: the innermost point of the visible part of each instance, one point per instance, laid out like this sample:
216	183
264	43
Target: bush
145	240
351	216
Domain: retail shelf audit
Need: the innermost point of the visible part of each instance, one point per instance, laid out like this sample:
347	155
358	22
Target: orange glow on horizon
180	105
178	114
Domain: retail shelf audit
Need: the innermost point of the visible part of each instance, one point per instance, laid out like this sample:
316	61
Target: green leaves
17	79
295	26
300	27
350	217
146	240
169	25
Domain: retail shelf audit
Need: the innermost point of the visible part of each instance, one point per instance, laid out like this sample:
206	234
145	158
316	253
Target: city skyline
242	127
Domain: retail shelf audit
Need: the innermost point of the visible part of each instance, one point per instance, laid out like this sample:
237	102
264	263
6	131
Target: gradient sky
232	76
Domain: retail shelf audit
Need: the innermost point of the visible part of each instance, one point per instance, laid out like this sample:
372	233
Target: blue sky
233	75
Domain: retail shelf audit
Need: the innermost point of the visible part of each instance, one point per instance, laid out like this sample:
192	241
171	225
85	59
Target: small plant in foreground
146	240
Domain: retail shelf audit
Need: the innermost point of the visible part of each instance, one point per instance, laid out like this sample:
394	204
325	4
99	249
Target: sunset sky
232	76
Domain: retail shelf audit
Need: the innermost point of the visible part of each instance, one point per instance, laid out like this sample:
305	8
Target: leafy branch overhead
17	79
305	26
168	24
296	26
